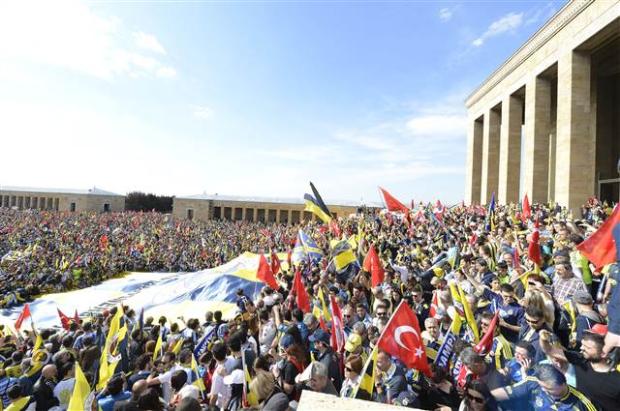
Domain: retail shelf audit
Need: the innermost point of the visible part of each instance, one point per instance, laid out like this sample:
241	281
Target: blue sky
249	98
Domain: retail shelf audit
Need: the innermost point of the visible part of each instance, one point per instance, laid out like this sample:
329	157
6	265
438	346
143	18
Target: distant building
259	209
546	122
93	199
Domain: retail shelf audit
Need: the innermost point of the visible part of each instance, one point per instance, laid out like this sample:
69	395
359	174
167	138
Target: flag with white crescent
401	339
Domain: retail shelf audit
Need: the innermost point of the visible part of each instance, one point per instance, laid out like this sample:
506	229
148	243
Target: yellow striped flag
369	374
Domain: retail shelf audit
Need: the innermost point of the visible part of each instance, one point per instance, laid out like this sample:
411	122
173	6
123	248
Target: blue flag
203	344
305	249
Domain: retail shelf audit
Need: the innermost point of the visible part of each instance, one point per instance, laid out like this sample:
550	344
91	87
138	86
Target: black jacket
43	393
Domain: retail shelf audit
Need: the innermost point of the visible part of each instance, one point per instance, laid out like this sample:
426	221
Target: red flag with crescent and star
401	339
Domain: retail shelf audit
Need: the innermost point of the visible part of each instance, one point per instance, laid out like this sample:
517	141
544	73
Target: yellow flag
469	315
250	396
37	343
369	373
198	383
326	313
177	347
456	325
106	369
158	345
81	391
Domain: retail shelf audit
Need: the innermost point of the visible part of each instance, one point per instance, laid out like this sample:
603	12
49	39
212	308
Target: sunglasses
346	316
529	321
475	399
381	314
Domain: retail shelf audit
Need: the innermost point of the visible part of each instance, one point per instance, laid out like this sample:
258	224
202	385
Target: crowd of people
43	252
550	313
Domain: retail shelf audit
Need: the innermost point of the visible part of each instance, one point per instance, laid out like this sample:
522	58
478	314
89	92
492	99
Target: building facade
546	123
94	199
258	209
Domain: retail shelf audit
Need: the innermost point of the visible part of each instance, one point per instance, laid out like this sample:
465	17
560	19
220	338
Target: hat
583	297
353	342
286	341
312	370
600	329
309	319
235	377
406	399
320	335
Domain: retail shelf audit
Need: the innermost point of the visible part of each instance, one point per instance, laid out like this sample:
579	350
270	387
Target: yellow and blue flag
305	249
343	255
367	379
313	206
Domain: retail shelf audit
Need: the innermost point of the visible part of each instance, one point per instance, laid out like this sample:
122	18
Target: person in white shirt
64	388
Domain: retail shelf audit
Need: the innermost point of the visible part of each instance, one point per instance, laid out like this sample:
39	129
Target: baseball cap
286	341
235	377
353	342
309	372
406	399
320	335
600	329
583	297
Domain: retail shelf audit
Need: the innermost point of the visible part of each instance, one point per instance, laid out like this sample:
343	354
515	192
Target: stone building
93	199
547	121
262	209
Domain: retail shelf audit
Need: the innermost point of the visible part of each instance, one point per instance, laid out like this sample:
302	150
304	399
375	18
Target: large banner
170	294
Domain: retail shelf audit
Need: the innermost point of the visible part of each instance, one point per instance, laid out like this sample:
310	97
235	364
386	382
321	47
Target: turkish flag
392	203
533	249
486	342
275	263
434	304
372	264
301	296
337	337
264	273
401	339
64	320
527	211
600	247
22	316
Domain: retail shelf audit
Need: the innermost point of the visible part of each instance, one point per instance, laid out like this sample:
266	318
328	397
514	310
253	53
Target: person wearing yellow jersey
19	401
501	350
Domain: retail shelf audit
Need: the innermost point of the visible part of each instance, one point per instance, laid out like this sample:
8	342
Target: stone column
537	129
490	156
510	150
474	162
576	140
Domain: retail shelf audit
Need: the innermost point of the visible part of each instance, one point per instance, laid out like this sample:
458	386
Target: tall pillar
510	150
576	140
537	129
474	161
490	155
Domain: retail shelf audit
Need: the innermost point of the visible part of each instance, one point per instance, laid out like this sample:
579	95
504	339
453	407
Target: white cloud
445	14
148	42
69	35
166	72
438	125
203	112
507	23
